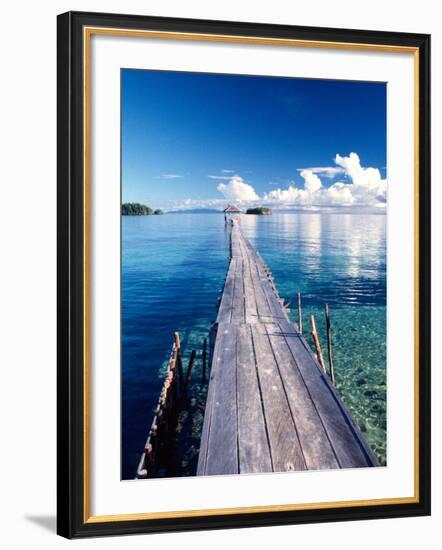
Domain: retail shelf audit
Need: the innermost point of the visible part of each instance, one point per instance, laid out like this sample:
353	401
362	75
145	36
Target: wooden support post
329	345
179	360
299	313
190	366
172	368
317	343
204	359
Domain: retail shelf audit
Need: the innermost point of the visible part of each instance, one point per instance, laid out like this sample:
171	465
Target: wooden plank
268	299
202	455
317	449
222	448
254	451
275	307
235	242
284	444
271	293
264	313
342	432
251	311
238	294
244	249
225	307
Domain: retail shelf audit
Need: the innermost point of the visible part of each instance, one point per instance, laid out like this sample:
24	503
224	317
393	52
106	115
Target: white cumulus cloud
326	171
237	190
367	182
366	187
312	183
362	187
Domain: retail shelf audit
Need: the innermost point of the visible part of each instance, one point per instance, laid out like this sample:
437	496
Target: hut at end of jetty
232	212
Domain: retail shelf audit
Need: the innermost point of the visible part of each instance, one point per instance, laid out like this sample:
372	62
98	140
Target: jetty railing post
172	367
317	343
179	360
299	313
329	345
189	368
204	359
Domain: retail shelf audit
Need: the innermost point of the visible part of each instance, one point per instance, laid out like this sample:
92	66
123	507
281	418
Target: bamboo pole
179	360
317	343
190	366
299	313
329	345
204	358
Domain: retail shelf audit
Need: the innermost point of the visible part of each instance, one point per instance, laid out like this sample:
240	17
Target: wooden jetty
270	407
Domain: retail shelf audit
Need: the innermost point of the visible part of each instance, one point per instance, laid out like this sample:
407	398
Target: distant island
137	209
260	211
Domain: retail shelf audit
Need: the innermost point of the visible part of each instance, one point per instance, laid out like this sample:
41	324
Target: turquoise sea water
173	267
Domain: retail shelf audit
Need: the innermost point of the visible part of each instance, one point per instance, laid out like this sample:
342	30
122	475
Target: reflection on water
334	257
173	267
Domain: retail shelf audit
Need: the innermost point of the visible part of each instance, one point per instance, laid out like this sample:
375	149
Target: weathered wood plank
251	311
275	307
284	444
342	432
222	448
225	307
254	451
264	313
238	294
235	242
316	446
202	455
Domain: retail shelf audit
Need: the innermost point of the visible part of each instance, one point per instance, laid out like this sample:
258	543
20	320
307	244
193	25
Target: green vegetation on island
260	210
137	209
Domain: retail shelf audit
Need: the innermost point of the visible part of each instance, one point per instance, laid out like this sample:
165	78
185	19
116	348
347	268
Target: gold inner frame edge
134	33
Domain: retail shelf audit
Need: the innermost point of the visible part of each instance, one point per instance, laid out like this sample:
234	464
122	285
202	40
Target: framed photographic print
243	274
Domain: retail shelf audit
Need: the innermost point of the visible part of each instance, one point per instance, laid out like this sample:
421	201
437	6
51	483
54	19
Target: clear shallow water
173	267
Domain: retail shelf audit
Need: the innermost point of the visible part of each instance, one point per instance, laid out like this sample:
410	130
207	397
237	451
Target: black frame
70	265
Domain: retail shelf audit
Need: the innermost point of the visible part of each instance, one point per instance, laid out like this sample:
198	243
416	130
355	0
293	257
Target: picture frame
75	516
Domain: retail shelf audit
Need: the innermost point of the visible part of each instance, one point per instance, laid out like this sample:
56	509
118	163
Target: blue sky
191	140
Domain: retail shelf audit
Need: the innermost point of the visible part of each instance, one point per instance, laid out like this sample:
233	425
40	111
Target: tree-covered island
137	209
260	210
